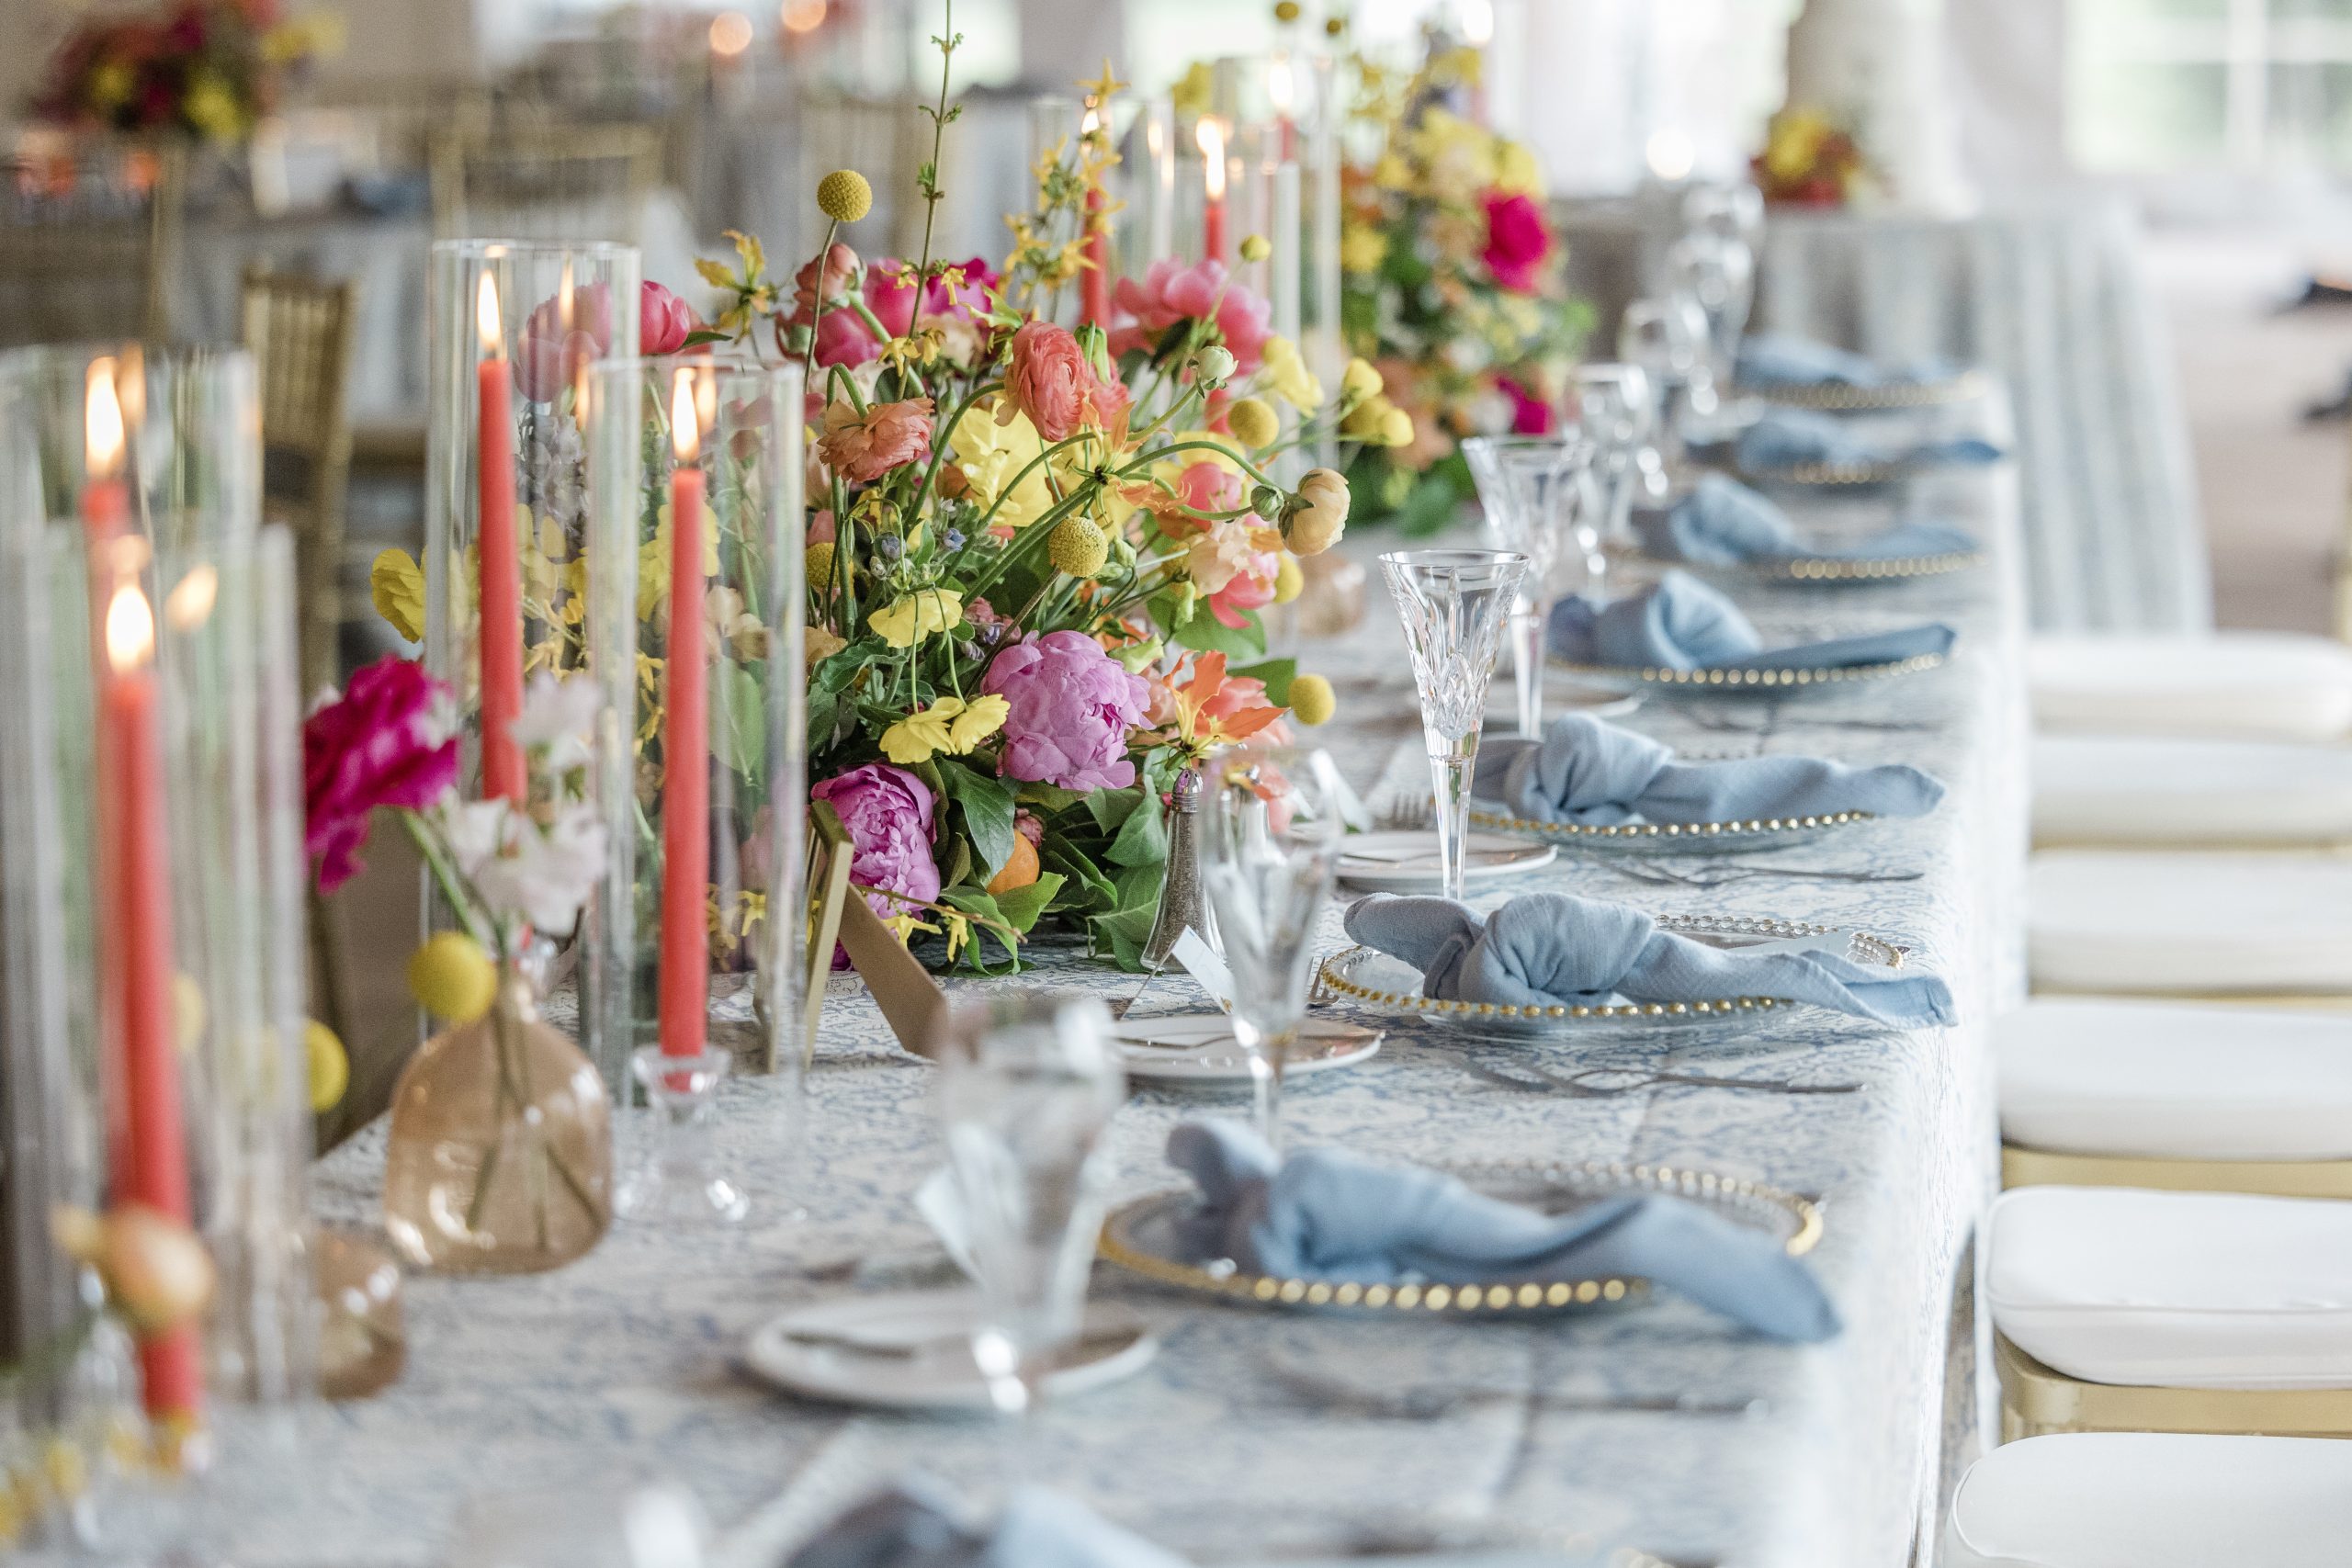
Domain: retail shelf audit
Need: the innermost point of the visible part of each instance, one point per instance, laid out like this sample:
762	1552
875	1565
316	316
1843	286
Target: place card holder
830	853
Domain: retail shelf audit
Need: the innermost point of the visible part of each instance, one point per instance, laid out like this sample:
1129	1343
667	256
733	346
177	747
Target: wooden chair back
89	239
544	183
299	333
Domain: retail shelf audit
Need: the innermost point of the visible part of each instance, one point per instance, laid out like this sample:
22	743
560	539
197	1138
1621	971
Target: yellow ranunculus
992	455
905	622
397	585
1391	172
1288	377
1363	249
952	725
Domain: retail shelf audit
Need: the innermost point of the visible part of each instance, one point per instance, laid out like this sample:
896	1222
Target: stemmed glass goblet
1611	402
1453	604
1270	831
1717	273
1542	503
1667	338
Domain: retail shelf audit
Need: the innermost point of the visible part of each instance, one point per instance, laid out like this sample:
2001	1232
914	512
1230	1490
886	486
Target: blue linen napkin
1777	359
1723	523
1330	1214
1555	949
1680	623
911	1526
1783	438
1587	771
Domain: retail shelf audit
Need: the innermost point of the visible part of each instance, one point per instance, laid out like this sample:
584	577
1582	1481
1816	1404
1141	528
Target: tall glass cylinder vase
719	771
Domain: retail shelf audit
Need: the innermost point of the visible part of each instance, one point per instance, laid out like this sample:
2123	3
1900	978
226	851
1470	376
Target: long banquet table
625	1365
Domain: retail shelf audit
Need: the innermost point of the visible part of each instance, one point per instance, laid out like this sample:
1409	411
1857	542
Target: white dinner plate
911	1350
1199	1048
1405	861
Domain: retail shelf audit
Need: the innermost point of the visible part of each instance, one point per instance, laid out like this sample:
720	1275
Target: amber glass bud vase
500	1155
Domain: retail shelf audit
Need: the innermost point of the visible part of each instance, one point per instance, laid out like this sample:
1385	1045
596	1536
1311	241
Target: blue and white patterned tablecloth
624	1365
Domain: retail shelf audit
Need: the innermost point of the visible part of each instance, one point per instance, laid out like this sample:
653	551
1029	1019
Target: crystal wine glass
1541	502
1453	604
1719	275
1667	338
1024	1113
1270	831
1613	405
1733	210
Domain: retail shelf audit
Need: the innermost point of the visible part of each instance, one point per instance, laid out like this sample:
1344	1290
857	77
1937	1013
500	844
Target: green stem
938	132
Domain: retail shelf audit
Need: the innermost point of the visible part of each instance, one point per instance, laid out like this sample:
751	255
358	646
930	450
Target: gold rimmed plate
1727	837
1830	398
1145	1237
1840	570
1768	682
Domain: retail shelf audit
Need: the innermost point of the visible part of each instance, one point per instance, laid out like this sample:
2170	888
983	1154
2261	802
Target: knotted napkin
1587	771
1776	359
1785	438
1330	1214
1555	949
1723	523
912	1526
1680	623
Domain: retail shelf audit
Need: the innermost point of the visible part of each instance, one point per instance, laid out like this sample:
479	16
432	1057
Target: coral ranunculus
1051	381
546	352
862	448
662	320
887	812
1172	292
385	741
1518	240
1072	705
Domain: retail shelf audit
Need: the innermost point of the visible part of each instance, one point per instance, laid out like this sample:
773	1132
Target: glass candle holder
711	846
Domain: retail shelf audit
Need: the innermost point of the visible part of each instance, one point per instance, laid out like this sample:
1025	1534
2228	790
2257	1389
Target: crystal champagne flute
1538	494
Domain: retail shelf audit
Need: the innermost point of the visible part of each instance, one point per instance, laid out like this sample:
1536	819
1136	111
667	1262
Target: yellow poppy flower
952	725
905	622
992	455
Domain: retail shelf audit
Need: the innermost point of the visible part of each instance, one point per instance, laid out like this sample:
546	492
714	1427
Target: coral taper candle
500	558
1094	283
1211	136
686	753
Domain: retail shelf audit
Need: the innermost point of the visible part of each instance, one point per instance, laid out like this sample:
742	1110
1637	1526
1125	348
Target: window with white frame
2246	85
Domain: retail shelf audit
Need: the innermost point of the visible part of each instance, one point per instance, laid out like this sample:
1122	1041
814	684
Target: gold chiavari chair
545	183
89	239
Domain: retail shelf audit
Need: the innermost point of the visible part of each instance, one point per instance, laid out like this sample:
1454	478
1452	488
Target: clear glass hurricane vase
1271	830
1538	494
1455	605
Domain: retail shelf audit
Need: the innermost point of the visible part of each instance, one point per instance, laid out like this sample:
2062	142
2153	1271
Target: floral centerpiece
1452	287
1809	159
202	68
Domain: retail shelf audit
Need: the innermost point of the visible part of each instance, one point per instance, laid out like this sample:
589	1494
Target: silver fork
1407	814
1718	877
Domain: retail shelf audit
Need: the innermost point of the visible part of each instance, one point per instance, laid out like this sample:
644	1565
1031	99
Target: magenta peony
1072	705
662	320
546	353
1172	292
1050	382
1530	415
887	812
385	741
1518	240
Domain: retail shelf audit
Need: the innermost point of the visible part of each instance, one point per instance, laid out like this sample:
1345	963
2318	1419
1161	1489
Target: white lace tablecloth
625	1365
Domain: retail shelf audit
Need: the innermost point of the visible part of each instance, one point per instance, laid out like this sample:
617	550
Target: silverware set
1529	1076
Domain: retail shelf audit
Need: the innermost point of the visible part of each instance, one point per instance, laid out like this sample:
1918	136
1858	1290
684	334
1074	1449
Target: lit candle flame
189	604
1088	126
562	298
1281	90
1210	137
102	421
1477	23
731	34
685	423
131	628
131	385
486	315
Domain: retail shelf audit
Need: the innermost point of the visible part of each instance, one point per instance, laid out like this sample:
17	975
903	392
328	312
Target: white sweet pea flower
561	717
473	831
545	875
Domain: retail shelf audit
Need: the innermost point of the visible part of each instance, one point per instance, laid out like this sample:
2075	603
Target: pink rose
1071	706
1517	242
546	352
862	448
1530	415
887	812
384	743
842	336
1172	292
662	320
1051	381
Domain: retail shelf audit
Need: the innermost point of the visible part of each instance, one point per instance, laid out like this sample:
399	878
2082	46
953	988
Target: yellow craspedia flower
1391	172
1363	249
1079	546
1285	11
1286	374
1252	424
1311	700
906	622
453	977
819	564
1360	382
844	197
1256	248
396	584
1289	581
1793	142
211	106
330	1066
112	83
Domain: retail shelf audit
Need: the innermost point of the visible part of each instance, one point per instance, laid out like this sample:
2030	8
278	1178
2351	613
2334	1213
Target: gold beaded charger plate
1744	682
1832	398
1145	1238
1729	837
1846	571
1389	987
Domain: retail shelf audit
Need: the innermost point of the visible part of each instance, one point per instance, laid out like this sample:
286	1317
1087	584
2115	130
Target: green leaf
1139	884
739	741
1112	807
1049	797
988	811
976	901
1204	631
1023	905
1142	840
1101	892
1277	673
1124	933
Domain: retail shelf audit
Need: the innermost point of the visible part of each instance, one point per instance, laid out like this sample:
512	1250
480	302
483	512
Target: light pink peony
887	812
1050	380
385	741
1072	705
862	448
1172	292
545	353
662	320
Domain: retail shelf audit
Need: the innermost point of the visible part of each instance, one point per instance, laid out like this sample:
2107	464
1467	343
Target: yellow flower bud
844	197
1321	516
1360	382
1289	581
453	977
1256	248
1395	427
1311	700
330	1066
1078	546
1252	422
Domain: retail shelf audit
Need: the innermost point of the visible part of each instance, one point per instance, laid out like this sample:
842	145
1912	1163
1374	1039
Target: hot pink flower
862	448
1072	705
1172	292
662	320
890	294
842	336
384	743
546	352
1518	239
1530	415
887	812
1051	381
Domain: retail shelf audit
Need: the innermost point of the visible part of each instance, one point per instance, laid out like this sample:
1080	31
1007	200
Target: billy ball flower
844	197
1252	422
820	565
1311	700
1078	546
1256	248
452	977
1289	581
1317	514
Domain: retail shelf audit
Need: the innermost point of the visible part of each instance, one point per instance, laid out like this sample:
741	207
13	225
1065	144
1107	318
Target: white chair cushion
2135	922
2111	790
2154	1500
2163	1080
2251	685
2175	1290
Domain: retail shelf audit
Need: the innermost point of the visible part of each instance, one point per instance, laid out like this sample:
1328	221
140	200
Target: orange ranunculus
863	447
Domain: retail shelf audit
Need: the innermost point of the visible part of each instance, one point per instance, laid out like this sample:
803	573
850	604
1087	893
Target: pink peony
384	743
546	352
1050	380
662	320
1172	292
1530	415
1072	705
1518	240
890	294
862	448
887	812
